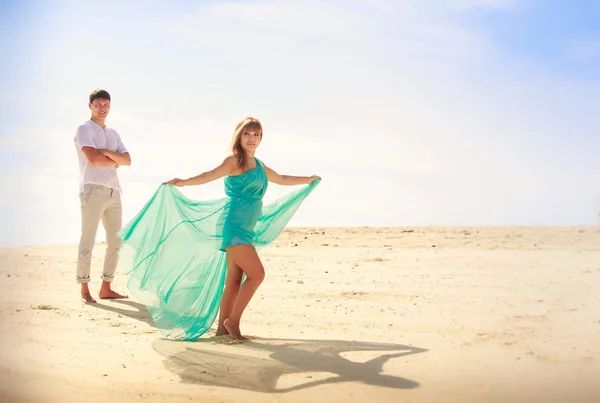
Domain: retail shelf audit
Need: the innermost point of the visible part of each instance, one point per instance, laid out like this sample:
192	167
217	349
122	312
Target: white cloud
409	116
494	4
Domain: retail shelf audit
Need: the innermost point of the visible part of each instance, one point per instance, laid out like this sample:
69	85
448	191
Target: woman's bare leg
247	259
232	286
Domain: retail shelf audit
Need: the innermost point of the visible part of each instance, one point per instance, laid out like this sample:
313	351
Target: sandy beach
423	314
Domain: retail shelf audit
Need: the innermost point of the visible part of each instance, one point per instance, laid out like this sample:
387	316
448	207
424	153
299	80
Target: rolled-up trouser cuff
82	280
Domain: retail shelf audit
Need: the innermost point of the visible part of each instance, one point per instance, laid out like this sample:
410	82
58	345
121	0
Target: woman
182	299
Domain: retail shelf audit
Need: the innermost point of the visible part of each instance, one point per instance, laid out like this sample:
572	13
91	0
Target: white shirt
93	135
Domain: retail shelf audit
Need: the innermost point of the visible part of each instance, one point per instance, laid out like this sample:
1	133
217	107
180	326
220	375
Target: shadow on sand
261	364
273	365
142	313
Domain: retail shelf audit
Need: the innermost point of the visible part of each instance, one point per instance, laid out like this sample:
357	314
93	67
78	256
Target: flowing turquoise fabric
174	249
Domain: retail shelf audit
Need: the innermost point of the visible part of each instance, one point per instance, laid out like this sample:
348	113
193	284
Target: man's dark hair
99	94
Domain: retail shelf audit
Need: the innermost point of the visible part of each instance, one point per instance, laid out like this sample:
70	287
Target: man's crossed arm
102	157
119	158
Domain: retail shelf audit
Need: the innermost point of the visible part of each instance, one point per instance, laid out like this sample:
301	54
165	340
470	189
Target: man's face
100	108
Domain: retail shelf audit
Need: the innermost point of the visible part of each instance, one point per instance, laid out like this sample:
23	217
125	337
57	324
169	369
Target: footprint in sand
229	341
44	307
376	259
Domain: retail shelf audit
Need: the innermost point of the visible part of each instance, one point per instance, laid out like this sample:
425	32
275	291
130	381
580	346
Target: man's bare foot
87	297
110	294
233	330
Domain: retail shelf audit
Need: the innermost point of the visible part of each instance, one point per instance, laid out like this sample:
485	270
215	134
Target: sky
448	112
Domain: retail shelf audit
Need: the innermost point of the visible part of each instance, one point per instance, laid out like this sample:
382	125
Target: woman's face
250	139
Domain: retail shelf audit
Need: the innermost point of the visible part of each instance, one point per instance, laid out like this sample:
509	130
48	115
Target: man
100	152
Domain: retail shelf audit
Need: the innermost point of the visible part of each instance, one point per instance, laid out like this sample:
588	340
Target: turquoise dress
245	206
174	249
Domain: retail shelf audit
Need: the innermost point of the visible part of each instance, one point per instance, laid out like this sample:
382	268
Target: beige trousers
99	203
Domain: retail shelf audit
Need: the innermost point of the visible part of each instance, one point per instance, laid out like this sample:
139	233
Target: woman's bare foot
221	331
233	330
87	297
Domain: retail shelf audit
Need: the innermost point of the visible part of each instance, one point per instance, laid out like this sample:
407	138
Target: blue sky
450	112
559	34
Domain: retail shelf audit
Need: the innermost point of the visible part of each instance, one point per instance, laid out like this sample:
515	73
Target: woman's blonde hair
248	123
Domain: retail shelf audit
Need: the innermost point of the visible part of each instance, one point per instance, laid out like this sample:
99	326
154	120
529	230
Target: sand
429	314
